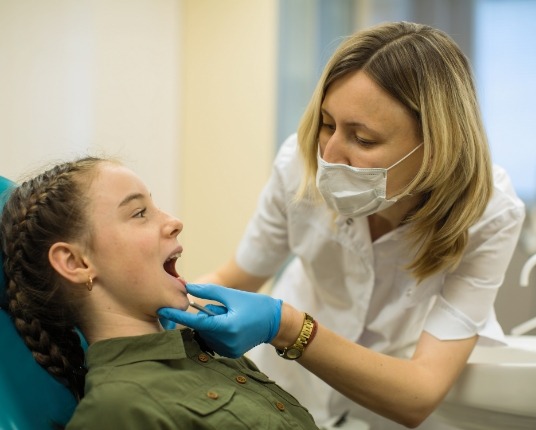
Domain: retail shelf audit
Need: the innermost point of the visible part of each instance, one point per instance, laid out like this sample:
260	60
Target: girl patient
85	246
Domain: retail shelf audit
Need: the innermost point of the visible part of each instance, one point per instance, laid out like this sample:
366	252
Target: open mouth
169	265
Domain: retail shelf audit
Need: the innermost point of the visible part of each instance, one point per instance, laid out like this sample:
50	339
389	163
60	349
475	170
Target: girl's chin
179	304
182	286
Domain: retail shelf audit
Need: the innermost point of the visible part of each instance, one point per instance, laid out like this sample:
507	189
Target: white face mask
354	191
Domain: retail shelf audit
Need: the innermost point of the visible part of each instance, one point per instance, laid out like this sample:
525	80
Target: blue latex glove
246	320
167	325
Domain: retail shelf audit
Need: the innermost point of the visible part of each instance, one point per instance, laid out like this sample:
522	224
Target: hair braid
38	213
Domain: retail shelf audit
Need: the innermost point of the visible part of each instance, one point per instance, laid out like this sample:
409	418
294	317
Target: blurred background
196	96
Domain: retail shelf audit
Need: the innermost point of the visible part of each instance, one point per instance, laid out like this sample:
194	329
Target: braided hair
46	209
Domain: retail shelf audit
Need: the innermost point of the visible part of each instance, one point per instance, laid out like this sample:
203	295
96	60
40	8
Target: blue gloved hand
246	320
167	325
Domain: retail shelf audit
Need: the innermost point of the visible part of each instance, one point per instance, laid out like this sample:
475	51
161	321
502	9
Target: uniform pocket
206	401
272	386
418	294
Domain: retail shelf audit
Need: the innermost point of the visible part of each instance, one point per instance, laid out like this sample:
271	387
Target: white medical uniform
360	289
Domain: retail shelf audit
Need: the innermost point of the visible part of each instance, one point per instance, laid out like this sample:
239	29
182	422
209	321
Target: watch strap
305	337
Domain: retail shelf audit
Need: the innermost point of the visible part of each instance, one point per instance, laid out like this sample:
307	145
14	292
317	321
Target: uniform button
280	406
241	379
212	395
203	358
349	221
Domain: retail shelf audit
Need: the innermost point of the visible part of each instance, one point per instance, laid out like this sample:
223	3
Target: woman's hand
245	321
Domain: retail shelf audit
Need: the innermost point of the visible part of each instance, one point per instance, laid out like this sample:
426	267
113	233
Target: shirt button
241	379
349	221
203	358
280	406
212	395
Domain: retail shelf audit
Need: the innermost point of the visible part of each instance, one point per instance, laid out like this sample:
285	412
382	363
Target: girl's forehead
114	182
111	172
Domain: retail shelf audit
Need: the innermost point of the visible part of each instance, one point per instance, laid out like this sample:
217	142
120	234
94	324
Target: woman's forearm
233	276
404	390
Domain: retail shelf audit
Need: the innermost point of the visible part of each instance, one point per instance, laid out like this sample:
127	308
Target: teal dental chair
30	398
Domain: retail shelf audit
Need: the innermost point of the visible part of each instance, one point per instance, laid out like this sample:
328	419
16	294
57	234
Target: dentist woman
388	226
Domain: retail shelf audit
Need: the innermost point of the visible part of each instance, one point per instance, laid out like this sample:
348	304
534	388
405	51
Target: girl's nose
173	226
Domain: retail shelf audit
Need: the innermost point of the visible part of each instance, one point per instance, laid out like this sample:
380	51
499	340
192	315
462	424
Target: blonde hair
425	70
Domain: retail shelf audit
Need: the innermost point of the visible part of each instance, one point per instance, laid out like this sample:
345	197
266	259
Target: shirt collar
166	345
353	223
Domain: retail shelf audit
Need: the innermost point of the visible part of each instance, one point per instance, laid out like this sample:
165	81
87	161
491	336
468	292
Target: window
505	70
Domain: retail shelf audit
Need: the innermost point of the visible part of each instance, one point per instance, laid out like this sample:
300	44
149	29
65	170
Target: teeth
174	256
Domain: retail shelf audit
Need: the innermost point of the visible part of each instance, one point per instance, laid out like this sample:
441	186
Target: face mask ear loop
403	193
406	156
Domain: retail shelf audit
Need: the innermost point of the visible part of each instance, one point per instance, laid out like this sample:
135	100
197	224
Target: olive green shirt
166	381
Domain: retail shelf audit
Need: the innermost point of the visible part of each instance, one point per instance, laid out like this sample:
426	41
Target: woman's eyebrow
350	123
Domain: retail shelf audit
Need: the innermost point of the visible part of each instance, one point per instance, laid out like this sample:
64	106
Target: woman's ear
67	259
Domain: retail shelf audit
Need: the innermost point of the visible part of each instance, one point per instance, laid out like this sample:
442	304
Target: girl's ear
67	259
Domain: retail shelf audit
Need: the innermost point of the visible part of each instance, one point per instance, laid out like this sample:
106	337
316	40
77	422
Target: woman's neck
389	219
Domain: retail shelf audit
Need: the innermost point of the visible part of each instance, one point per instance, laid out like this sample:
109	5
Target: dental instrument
202	309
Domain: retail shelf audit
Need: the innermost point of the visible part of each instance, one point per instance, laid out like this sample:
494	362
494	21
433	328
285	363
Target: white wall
91	76
228	123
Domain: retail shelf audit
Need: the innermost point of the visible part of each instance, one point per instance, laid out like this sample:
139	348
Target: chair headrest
5	187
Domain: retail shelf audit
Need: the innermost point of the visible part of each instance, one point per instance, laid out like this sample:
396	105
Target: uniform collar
166	345
350	224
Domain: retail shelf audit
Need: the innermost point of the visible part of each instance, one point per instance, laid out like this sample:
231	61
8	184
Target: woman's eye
364	142
327	126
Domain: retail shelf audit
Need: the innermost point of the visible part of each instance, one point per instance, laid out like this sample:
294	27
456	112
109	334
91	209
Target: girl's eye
140	214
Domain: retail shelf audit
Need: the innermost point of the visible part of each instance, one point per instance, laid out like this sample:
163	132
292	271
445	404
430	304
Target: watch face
293	353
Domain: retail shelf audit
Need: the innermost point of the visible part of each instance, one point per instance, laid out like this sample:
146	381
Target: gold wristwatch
296	350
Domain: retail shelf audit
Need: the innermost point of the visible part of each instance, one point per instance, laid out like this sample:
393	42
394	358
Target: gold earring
89	283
